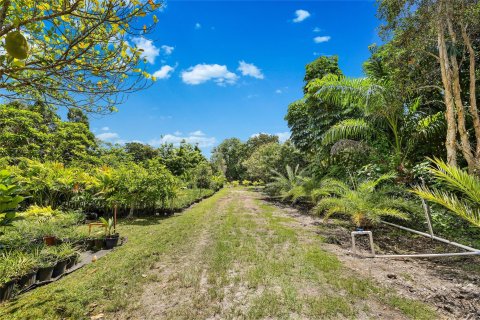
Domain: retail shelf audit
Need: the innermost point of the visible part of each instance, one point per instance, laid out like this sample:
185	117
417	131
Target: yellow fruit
16	45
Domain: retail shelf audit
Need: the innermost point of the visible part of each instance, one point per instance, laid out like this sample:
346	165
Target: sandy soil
449	284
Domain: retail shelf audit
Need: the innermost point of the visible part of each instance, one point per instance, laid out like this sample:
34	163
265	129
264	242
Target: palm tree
289	186
463	197
363	203
383	112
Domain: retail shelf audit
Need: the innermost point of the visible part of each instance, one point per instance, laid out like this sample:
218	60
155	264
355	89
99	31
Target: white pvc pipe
427	255
434	237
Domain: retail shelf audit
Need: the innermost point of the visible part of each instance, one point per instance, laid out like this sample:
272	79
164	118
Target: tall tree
309	117
230	154
258	140
140	152
73	53
448	32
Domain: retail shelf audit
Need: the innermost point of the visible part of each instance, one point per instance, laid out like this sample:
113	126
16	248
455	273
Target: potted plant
7	282
73	260
111	237
16	268
46	264
62	253
25	265
7	278
99	243
49	237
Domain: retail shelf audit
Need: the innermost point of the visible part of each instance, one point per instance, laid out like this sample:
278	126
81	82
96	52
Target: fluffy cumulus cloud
202	73
249	69
164	72
168	50
278	91
317	29
107	136
321	39
301	15
197	137
150	51
105	129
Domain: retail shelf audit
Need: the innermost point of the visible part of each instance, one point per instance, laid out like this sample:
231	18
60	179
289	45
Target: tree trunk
473	94
450	142
130	214
465	145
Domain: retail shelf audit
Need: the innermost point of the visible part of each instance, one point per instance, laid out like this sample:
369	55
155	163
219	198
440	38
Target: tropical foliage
459	193
363	203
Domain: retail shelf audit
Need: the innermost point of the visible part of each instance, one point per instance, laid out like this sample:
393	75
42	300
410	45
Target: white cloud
204	72
197	26
249	69
278	91
105	129
167	49
107	136
317	29
196	137
301	15
164	72
283	136
321	39
198	133
150	51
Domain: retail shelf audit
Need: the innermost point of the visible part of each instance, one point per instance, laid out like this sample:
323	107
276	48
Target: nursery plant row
43	244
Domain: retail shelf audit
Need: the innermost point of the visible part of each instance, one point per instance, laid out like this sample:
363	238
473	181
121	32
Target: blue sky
230	69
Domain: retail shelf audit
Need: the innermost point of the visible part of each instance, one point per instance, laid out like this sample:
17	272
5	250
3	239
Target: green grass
108	283
279	270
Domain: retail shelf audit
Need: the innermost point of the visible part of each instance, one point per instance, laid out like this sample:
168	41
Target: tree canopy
73	53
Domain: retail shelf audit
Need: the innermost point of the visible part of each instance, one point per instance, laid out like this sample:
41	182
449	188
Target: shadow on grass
145	221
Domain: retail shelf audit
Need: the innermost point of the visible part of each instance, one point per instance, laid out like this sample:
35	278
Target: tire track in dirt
183	287
175	278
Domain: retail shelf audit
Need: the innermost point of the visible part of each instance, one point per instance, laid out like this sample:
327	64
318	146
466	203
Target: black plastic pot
99	244
27	280
90	244
111	241
45	274
59	268
72	261
6	290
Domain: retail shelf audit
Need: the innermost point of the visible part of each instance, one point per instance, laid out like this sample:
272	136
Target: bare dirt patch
452	285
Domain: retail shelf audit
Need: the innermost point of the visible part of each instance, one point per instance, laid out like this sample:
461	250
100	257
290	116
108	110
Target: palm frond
460	207
390	212
333	210
332	186
362	93
370	185
430	126
347	129
327	203
457	180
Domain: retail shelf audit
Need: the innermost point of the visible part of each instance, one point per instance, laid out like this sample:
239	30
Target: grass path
231	256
